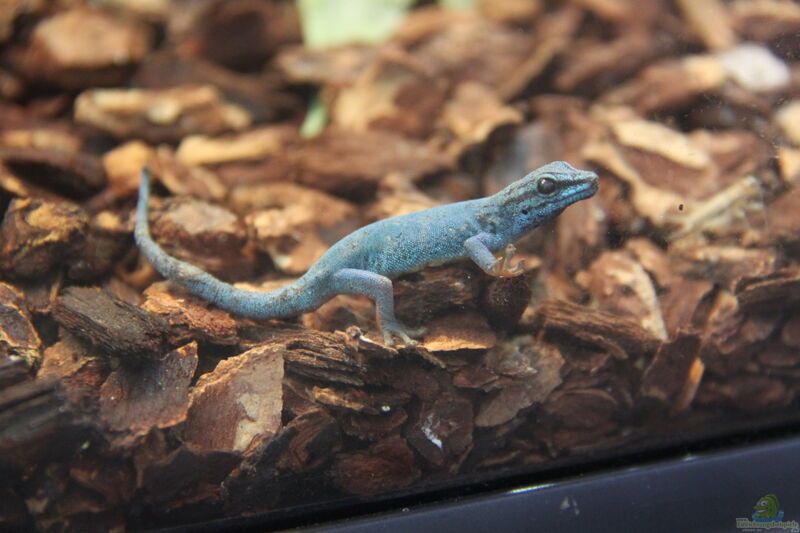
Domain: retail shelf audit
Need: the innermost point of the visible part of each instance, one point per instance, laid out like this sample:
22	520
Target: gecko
365	261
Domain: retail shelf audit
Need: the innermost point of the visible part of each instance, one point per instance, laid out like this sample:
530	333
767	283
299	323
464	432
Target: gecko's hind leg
379	289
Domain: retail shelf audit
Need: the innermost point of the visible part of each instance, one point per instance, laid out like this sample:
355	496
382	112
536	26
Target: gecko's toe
516	270
405	334
387	338
502	267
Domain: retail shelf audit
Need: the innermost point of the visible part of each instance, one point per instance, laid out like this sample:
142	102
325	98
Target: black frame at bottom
704	492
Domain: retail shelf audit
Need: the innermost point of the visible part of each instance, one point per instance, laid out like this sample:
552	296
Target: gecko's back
405	243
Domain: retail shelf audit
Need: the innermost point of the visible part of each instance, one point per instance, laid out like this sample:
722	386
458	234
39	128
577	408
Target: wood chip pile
665	308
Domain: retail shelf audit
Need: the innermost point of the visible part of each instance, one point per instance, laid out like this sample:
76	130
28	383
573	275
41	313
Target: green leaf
316	118
329	23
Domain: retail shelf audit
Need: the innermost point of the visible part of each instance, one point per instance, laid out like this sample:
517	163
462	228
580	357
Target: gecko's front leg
379	289
479	252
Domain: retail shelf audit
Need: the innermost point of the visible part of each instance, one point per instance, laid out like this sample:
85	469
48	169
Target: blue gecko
364	261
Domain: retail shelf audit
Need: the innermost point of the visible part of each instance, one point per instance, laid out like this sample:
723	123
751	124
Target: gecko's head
544	193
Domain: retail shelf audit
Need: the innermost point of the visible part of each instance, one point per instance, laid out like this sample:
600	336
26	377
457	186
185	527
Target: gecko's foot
405	333
502	266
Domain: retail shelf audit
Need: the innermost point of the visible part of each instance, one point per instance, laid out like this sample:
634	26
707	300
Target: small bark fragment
188	316
325	357
295	225
343	162
725	265
534	372
422	296
112	325
622	286
669	84
710	21
443	431
394	93
252	145
374	427
123	166
152	395
790	334
15	10
653	260
581	418
12	371
37	236
787	117
462	331
206	235
360	401
80	369
165	115
84	47
302	446
19	340
107	238
581	408
388	464
474	114
238	403
32	413
765	20
622	337
71	174
772	291
672	377
594	63
783	219
113	479
750	393
316	437
184	476
504	300
261	94
682	305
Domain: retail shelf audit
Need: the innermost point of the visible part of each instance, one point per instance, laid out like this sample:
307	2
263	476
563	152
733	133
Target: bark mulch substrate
667	305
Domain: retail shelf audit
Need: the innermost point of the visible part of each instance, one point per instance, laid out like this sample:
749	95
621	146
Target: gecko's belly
400	260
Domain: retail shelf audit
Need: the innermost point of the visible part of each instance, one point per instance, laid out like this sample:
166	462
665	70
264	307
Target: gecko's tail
283	302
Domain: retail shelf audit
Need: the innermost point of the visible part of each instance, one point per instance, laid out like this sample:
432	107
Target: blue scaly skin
365	261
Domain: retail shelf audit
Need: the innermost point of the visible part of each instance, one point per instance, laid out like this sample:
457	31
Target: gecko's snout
593	180
584	184
579	182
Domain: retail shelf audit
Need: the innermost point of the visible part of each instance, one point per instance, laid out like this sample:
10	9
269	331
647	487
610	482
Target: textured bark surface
662	311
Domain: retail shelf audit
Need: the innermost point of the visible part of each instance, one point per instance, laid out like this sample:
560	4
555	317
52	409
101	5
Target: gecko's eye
546	186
